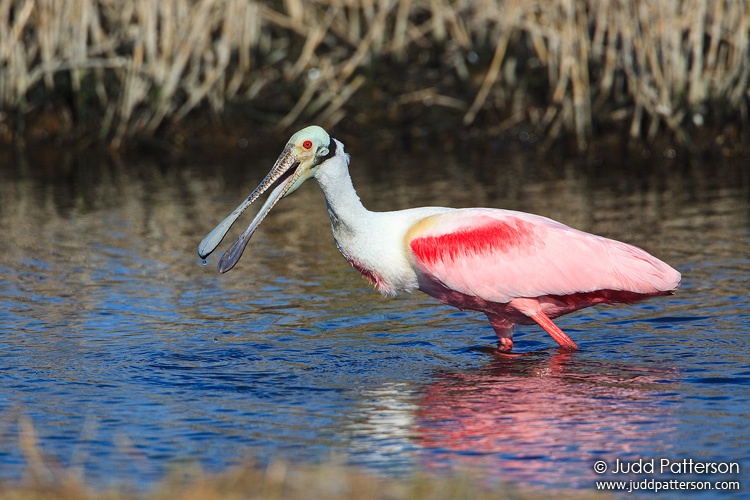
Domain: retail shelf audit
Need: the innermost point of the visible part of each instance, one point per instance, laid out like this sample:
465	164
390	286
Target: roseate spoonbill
515	267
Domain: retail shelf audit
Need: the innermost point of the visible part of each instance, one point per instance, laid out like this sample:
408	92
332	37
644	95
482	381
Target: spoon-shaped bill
212	239
234	252
285	163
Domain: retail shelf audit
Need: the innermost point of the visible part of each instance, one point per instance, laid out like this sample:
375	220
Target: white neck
344	207
372	242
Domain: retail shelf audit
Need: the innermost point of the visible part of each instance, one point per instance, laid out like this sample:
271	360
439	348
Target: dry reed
563	66
45	478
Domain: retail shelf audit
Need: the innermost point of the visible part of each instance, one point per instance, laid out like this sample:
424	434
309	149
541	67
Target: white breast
375	246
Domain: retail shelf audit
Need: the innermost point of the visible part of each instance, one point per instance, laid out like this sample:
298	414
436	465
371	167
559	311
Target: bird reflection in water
545	420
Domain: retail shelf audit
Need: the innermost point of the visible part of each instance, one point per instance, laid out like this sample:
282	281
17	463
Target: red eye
307	144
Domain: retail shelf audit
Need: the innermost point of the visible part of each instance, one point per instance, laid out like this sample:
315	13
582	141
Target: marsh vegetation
113	70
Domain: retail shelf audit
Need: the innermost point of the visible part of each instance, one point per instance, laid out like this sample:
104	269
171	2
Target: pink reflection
545	420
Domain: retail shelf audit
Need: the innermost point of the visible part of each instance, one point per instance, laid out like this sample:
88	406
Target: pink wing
500	255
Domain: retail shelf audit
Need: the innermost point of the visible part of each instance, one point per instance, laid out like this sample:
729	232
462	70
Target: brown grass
566	67
277	481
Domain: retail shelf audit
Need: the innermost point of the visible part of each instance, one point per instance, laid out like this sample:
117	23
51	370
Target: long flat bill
234	252
285	165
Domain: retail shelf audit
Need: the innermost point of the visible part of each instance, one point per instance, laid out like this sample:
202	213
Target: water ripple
130	356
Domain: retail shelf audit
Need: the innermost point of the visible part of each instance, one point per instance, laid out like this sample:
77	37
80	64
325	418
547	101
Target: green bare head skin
311	146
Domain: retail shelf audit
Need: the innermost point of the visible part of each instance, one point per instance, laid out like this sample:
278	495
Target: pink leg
557	334
504	331
532	309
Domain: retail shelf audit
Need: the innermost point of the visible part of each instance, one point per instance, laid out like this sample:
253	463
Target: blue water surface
124	356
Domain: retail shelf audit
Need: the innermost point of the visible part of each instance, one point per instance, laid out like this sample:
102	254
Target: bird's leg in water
554	331
504	331
532	309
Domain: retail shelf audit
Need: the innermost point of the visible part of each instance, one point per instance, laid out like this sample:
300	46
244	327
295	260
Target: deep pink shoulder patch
492	236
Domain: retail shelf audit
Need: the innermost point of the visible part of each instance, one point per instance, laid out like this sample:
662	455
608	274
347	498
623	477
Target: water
129	356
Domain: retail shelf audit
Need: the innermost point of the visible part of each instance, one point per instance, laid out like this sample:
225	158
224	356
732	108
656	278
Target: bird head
300	159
